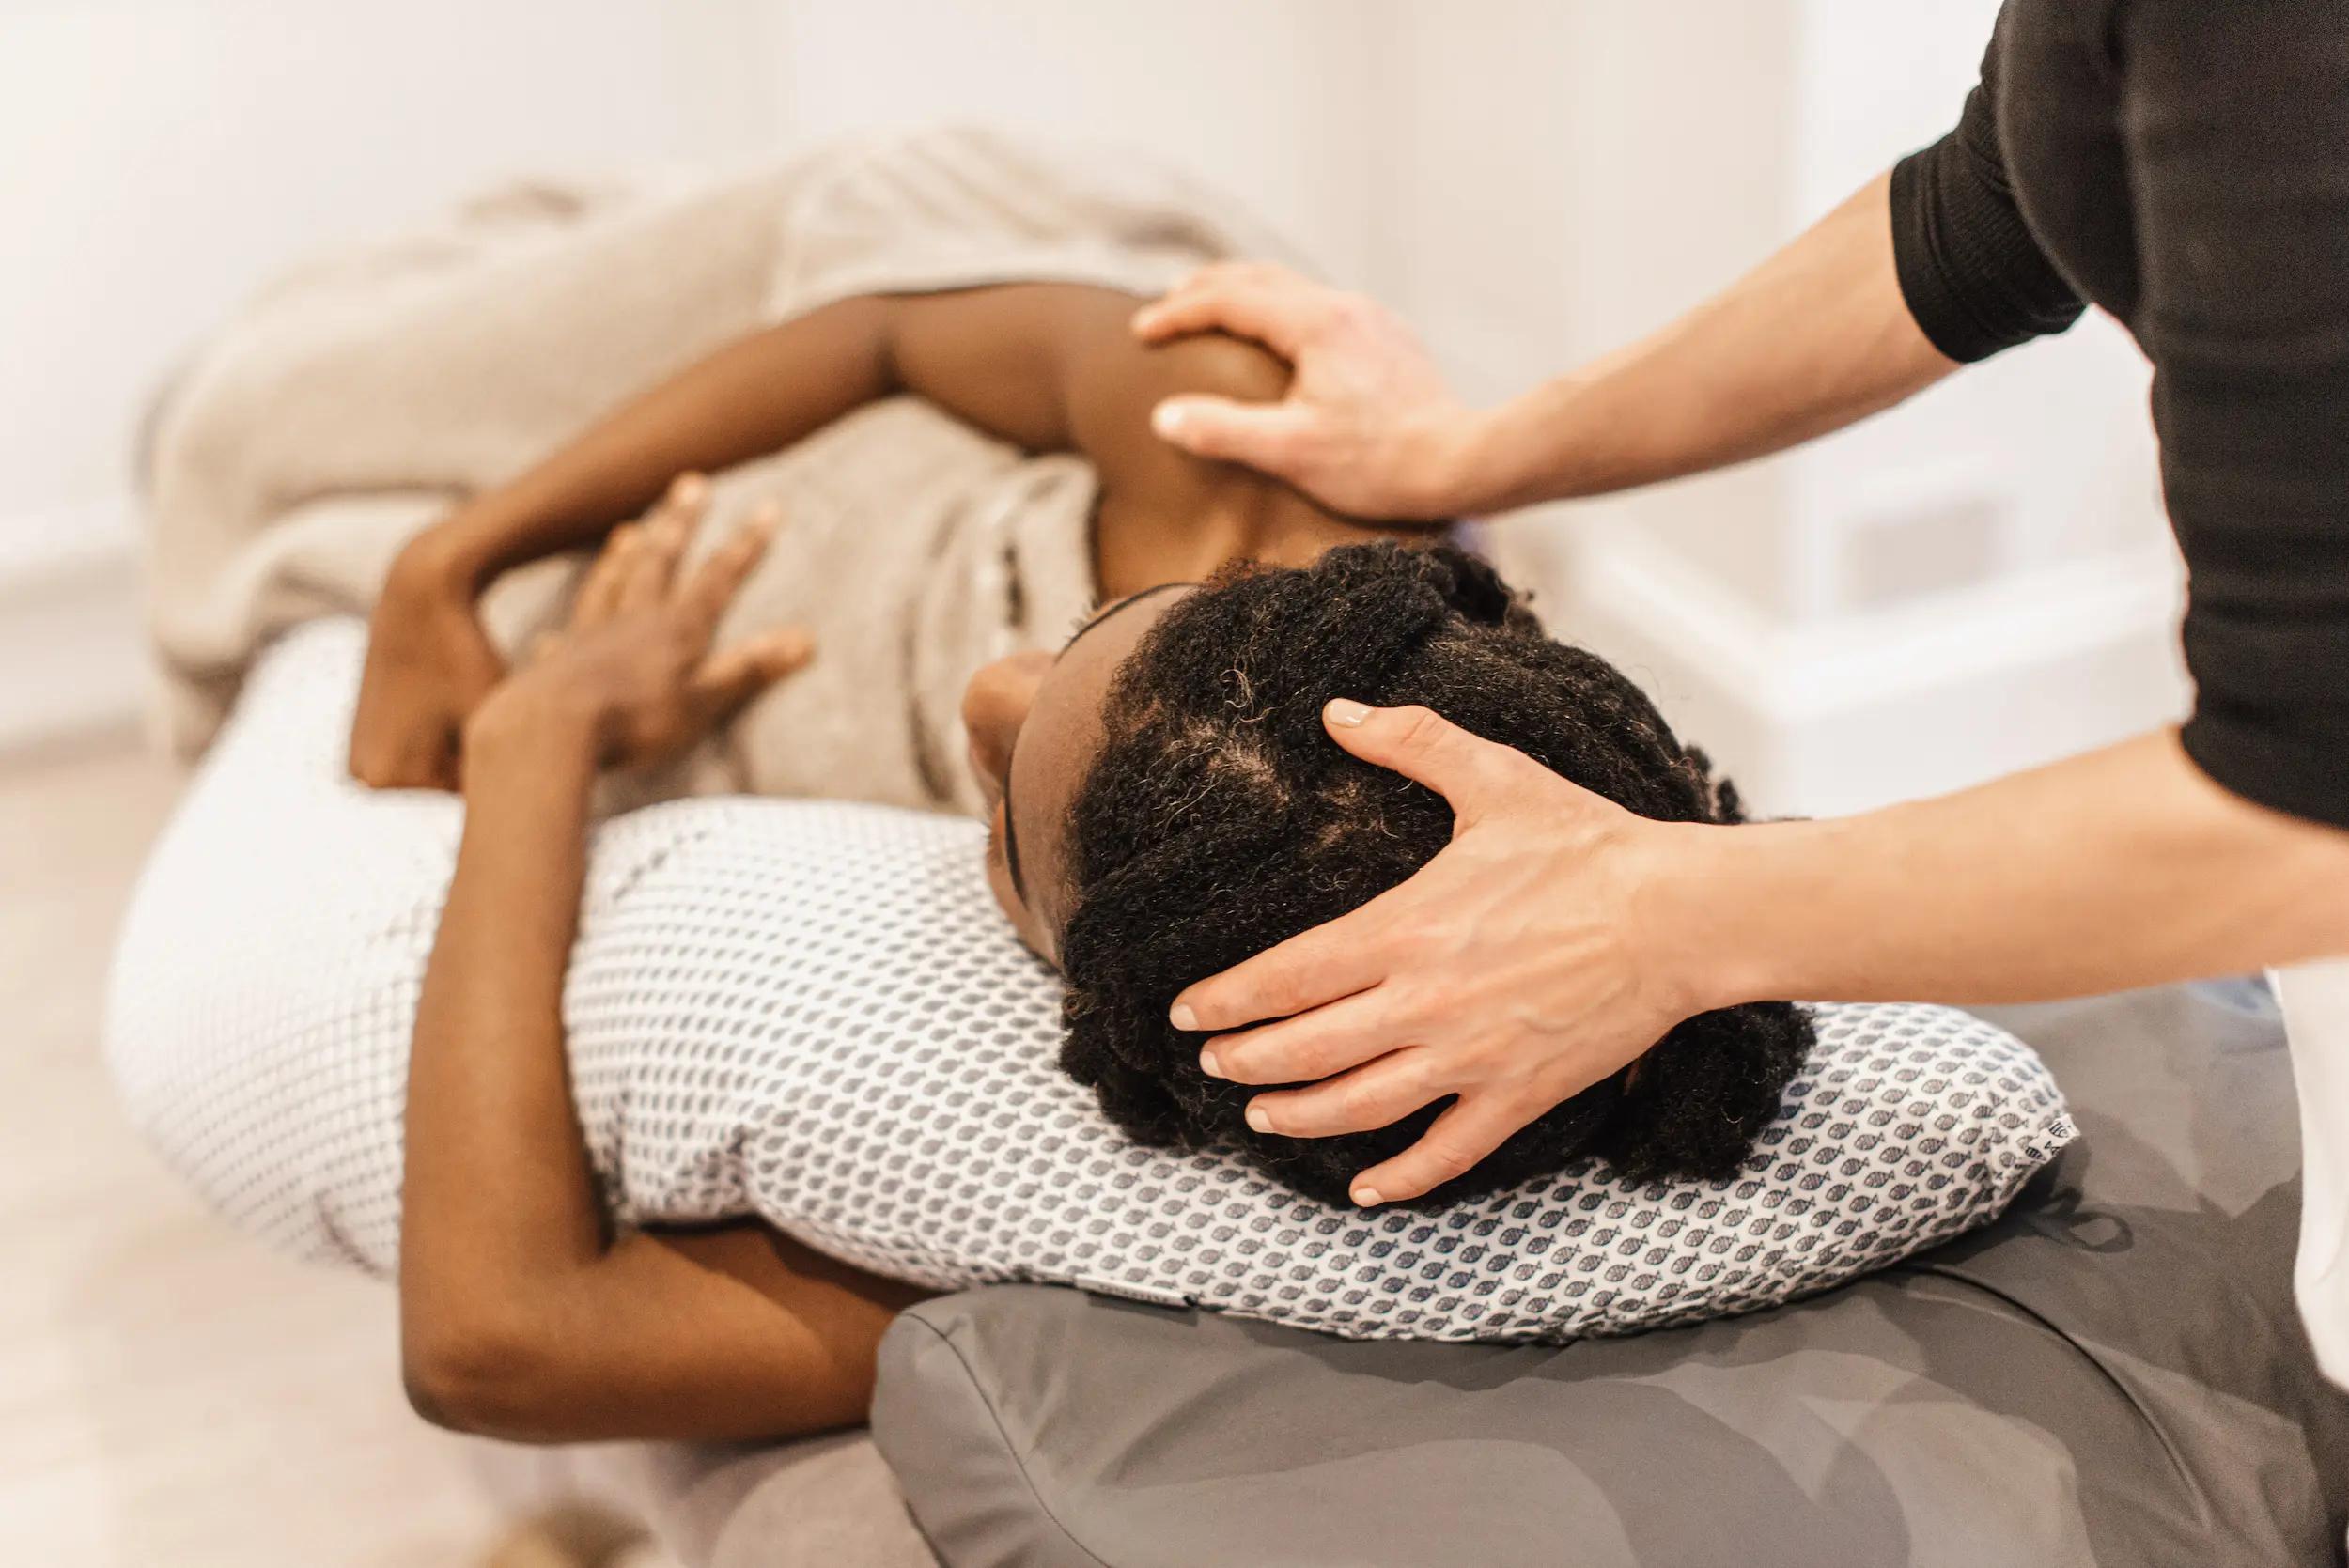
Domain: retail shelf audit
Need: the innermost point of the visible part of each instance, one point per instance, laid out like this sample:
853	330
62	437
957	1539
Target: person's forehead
1063	732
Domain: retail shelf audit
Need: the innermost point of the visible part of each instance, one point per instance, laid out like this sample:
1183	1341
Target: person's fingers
1310	968
730	679
1313	1045
541	646
1466	1132
1347	954
1268	436
661	542
370	757
645	571
687	497
1372	1095
1262	299
1467	769
422	758
599	590
446	769
374	767
714	583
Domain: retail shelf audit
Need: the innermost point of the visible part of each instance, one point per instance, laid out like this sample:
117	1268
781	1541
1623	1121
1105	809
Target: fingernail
1367	1197
689	487
1257	1119
1208	1064
1345	711
1181	1016
1167	419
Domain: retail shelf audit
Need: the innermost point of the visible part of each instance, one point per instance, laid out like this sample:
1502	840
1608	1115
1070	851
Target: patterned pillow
812	1011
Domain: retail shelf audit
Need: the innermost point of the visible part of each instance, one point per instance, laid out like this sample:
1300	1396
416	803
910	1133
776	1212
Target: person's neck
1255	520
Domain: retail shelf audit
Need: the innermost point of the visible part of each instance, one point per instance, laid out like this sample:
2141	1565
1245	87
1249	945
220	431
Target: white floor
171	1396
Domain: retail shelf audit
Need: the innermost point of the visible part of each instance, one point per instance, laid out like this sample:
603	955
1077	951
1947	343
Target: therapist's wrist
1471	462
1710	944
1525	451
1427	465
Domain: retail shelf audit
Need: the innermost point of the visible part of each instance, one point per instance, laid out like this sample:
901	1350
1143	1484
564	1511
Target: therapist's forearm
2128	866
1816	338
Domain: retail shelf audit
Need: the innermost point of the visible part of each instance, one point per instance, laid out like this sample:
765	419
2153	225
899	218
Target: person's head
1167	802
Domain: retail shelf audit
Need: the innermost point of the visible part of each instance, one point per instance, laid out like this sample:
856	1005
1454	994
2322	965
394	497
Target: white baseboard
1912	699
72	651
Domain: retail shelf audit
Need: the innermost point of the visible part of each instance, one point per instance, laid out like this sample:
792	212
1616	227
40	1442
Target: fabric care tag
1155	1295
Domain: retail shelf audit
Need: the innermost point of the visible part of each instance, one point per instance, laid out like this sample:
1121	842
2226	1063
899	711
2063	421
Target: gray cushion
2112	1373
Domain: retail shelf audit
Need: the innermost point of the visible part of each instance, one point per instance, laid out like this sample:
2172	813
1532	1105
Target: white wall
164	158
1267	99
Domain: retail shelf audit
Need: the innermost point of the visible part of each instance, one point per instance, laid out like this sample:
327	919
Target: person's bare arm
1814	338
1558	937
2124	866
1045	366
521	1315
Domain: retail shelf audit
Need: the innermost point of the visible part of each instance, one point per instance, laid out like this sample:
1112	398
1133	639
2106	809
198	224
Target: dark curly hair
1219	818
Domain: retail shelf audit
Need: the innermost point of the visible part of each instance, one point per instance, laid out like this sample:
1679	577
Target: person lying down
1167	802
1162	797
1161	800
1214	731
826	1019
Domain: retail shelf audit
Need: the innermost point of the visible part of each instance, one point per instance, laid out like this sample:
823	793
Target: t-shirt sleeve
2241	210
1971	273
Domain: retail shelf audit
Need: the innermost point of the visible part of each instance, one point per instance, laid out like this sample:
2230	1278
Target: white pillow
813	1012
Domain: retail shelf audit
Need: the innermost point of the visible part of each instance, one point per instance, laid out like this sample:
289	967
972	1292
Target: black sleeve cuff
1970	270
2300	768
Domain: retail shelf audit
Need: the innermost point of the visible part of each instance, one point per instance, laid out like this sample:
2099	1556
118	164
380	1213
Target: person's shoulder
1222	365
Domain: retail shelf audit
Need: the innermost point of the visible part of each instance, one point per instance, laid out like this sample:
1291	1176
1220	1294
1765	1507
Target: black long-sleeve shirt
2184	165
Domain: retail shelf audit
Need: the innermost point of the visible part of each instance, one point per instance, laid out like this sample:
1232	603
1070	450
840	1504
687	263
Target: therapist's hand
1514	970
1368	427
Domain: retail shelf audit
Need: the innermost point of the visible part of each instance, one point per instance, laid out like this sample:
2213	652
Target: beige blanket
361	396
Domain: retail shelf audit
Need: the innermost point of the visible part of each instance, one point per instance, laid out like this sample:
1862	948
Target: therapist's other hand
1368	427
634	672
1512	972
428	666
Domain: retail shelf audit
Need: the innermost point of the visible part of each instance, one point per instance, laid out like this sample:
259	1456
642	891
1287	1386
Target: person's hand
1368	428
1514	970
428	665
633	670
